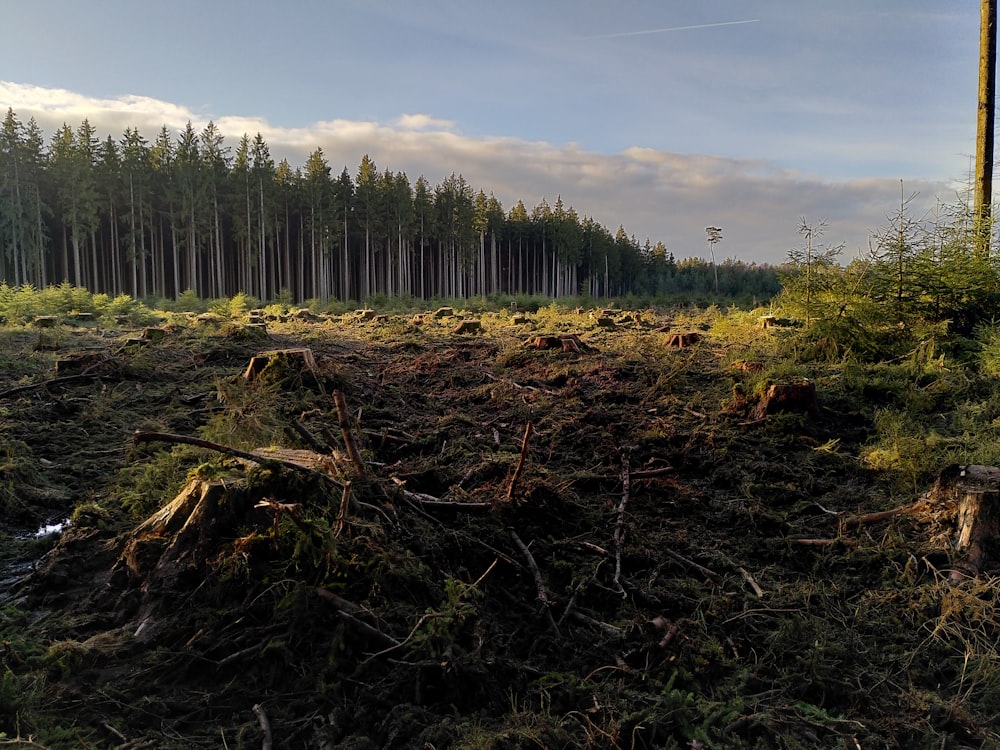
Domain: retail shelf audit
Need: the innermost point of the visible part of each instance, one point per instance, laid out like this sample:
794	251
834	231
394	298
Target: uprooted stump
799	397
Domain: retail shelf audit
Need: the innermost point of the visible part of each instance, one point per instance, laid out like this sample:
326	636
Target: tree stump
975	492
544	342
283	363
74	364
45	321
681	340
468	326
797	397
571	342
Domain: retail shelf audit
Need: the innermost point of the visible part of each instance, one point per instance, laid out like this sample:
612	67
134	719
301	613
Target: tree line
187	212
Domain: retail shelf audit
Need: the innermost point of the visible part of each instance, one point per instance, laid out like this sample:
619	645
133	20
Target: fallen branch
883	515
18	742
429	501
424	618
620	523
265	727
520	464
140	436
344	609
85	375
825	542
345	504
650	473
709	574
389	435
752	583
311	440
606	627
539	584
344	421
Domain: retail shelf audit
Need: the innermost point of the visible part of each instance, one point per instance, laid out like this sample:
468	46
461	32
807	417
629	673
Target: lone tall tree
714	238
984	125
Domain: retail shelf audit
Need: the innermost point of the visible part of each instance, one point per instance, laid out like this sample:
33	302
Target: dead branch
19	742
85	375
539	584
650	473
669	636
345	504
520	463
140	436
115	732
292	510
709	574
311	440
883	515
265	726
238	655
388	435
825	542
344	610
606	627
620	523
344	421
751	582
425	617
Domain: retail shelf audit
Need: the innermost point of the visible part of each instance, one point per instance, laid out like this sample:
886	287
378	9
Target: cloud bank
659	195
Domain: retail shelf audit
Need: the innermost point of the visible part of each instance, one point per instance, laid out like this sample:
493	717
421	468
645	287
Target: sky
663	116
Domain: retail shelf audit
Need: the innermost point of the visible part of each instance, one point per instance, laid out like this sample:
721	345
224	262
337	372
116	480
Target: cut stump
974	491
74	364
286	361
797	397
681	340
468	326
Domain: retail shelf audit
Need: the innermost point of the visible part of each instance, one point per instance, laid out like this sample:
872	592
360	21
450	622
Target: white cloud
423	122
661	195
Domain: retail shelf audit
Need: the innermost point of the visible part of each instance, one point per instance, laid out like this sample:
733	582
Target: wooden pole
984	124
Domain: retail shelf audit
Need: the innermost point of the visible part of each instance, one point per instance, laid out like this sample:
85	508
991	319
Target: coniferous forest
153	218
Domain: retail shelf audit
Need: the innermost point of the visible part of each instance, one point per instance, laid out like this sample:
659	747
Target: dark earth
499	540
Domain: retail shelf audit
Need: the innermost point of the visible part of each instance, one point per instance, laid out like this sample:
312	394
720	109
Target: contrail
671	28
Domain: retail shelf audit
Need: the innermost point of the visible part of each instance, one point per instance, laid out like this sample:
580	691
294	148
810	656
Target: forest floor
616	542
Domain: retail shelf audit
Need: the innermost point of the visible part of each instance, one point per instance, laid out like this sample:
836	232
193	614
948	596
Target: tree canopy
184	211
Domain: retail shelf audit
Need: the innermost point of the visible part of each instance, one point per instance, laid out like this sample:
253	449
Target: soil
610	543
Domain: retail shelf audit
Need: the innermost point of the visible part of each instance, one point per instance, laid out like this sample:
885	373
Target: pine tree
215	164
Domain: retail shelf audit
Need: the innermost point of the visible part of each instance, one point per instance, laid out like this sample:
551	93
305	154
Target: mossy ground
667	572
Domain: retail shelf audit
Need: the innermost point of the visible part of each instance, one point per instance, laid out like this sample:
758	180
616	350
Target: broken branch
520	464
140	436
265	727
620	523
543	597
344	421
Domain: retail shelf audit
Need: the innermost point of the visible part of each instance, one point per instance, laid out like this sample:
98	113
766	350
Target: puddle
51	528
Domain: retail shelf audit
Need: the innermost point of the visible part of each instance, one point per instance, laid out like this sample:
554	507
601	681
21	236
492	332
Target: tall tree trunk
984	125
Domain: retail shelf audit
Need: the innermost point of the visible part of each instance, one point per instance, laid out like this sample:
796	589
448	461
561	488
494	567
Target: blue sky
664	116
